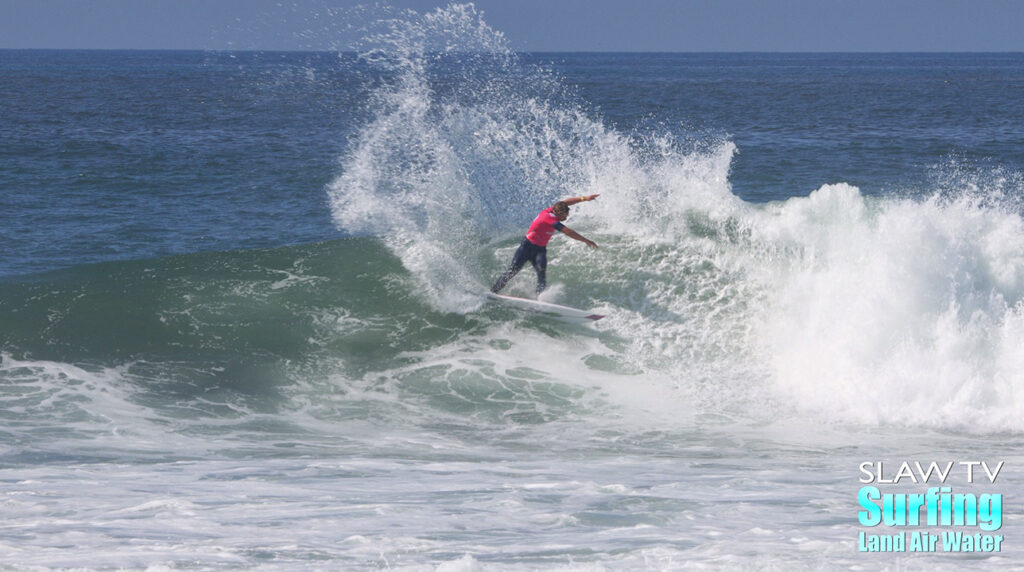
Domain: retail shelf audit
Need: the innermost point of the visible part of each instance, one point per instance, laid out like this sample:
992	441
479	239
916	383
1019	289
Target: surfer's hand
591	244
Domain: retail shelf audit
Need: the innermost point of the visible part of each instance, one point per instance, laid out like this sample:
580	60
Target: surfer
534	246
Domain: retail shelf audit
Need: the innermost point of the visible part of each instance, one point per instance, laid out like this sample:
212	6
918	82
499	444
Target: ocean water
242	322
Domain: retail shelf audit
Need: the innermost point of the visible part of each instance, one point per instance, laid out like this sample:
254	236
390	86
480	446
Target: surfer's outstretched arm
573	200
573	234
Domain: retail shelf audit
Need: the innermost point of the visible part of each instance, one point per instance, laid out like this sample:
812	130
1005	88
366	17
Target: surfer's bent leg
518	261
540	264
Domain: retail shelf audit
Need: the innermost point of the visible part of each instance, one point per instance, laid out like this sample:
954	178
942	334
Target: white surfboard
561	312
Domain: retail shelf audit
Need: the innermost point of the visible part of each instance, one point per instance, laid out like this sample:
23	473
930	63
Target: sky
530	25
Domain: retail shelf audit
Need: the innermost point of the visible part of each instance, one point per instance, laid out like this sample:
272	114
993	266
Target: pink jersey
543	227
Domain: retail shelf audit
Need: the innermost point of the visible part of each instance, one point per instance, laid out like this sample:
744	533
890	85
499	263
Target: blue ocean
243	322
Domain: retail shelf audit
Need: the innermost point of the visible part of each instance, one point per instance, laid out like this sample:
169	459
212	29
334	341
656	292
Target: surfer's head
561	210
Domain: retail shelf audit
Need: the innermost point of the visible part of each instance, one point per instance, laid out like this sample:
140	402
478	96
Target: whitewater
333	390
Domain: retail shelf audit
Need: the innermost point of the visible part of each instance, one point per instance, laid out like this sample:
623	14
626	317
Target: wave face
833	306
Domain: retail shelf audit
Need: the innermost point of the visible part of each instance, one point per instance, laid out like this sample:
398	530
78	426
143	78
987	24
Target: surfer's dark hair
560	207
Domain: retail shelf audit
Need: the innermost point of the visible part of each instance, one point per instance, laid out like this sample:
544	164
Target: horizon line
534	52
